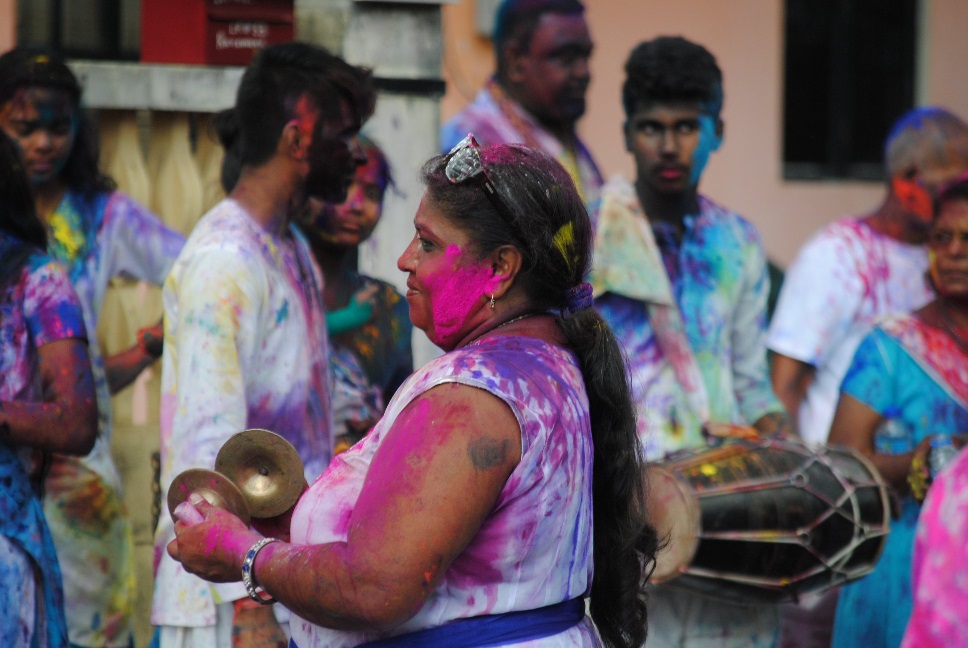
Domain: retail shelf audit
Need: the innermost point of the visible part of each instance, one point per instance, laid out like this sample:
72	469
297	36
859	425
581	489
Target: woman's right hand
213	543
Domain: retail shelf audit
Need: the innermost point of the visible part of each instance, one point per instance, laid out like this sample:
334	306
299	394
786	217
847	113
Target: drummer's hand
775	424
151	339
210	542
716	433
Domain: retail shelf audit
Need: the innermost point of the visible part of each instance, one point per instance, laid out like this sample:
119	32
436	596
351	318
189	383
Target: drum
764	521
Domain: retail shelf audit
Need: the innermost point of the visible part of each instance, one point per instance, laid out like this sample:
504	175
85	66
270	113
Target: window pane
849	74
98	29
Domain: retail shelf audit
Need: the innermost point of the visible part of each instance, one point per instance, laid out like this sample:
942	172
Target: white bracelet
248	568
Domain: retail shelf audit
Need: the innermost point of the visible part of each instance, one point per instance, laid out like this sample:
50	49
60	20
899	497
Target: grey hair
923	138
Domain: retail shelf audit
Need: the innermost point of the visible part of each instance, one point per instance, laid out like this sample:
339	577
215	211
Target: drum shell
766	521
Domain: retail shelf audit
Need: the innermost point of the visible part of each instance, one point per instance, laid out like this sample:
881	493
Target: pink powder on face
455	291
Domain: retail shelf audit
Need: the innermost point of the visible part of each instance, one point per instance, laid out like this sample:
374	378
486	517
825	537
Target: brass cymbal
217	489
266	468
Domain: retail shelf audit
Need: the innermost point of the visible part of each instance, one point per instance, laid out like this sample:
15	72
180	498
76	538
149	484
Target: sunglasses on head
465	163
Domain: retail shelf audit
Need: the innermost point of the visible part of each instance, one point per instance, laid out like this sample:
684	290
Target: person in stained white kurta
246	348
245	333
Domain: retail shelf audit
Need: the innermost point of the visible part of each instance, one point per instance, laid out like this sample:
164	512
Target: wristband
248	568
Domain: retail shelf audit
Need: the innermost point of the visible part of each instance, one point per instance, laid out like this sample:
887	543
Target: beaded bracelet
248	568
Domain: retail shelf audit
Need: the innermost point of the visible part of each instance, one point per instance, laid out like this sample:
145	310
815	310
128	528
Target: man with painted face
683	283
537	93
245	333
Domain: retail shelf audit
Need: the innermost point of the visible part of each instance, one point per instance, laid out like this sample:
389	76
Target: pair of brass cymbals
258	474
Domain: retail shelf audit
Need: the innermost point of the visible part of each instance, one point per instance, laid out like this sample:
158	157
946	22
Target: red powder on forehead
306	114
456	290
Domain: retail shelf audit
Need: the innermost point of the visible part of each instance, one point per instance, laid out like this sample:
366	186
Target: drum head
674	512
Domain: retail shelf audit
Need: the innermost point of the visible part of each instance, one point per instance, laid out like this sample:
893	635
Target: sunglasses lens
462	165
467	142
465	163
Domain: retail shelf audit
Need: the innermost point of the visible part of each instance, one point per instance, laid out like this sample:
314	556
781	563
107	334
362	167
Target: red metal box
212	32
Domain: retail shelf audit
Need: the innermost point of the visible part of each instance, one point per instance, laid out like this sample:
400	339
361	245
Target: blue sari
910	367
22	523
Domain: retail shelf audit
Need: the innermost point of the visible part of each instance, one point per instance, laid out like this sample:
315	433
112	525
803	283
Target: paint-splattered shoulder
716	215
844	231
120	203
224	242
37	266
41	264
226	225
525	353
846	239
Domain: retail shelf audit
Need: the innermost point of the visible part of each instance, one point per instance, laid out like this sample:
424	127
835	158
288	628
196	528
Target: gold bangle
918	478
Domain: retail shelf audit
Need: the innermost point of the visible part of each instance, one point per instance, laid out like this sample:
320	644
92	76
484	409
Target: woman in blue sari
913	369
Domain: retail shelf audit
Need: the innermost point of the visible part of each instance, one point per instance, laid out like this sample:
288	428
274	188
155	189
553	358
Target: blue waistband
490	630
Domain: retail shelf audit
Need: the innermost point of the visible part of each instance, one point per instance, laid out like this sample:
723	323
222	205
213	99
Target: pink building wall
746	38
8	24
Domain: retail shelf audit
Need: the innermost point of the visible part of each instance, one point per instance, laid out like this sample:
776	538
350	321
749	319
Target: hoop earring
492	302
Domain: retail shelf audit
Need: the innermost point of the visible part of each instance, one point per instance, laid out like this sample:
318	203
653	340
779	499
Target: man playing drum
683	283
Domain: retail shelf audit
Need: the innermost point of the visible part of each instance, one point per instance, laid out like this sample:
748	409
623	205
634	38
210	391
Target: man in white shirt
846	276
861	267
245	333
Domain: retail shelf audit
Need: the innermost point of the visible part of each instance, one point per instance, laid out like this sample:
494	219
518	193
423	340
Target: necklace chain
513	320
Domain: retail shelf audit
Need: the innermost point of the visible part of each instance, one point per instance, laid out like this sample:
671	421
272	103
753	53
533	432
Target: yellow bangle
918	478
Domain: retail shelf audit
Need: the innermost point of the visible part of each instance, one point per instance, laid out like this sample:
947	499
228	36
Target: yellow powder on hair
565	241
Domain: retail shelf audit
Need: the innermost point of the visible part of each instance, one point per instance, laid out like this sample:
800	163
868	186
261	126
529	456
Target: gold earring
492	302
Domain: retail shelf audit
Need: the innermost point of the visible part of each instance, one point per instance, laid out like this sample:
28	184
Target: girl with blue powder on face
47	404
97	233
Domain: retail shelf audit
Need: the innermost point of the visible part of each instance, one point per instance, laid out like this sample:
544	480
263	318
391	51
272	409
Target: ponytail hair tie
578	298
